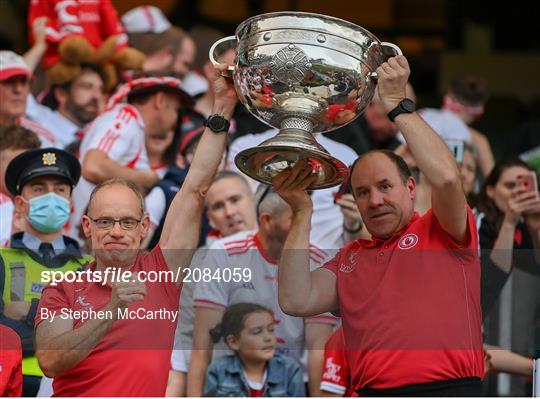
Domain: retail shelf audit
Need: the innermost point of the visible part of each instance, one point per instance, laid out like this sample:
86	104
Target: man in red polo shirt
409	298
123	346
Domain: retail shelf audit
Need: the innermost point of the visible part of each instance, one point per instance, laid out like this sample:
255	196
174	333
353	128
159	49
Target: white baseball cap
145	19
12	64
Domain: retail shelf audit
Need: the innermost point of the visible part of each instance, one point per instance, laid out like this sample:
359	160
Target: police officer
41	182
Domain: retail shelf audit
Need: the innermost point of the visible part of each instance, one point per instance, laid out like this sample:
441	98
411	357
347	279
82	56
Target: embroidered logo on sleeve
350	264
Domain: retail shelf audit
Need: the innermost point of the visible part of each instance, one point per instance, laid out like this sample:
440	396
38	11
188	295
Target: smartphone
528	181
456	146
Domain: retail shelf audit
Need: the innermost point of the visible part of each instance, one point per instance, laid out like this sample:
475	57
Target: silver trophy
302	73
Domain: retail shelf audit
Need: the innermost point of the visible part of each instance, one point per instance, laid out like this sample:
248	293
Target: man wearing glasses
118	356
41	182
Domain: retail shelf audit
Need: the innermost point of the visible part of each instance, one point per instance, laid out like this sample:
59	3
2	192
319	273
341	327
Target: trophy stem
297	123
293	142
298	130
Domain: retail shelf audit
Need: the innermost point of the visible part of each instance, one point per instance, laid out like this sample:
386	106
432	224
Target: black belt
469	386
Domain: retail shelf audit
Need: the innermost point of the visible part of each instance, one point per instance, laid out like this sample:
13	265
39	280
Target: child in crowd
254	369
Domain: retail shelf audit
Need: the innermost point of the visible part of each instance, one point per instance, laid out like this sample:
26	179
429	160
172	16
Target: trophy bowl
302	73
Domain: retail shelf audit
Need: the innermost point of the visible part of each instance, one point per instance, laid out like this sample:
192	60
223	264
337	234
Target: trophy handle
389	50
227	73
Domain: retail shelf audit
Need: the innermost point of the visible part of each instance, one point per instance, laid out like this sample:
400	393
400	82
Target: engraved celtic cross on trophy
302	73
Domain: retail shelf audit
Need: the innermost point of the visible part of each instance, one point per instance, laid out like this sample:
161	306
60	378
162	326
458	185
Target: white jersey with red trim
61	128
6	215
45	136
119	133
232	256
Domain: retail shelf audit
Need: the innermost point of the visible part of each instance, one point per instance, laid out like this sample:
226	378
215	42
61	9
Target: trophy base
274	155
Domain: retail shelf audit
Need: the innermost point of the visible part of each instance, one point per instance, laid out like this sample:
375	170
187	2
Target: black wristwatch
405	106
217	123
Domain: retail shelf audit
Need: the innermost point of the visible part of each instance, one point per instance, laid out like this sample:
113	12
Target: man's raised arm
431	153
301	292
182	223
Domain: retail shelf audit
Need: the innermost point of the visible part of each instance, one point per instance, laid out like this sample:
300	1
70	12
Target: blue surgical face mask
48	213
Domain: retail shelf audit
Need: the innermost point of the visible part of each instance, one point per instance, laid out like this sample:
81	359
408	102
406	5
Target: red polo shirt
133	357
10	363
411	306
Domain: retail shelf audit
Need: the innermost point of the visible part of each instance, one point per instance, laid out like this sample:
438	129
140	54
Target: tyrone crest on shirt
408	241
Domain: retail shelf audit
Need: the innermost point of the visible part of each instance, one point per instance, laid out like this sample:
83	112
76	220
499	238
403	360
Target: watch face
408	105
217	123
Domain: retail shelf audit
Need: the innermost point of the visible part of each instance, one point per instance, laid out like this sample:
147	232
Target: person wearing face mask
41	182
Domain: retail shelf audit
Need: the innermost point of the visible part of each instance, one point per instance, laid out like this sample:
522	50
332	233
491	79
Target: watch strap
225	123
405	106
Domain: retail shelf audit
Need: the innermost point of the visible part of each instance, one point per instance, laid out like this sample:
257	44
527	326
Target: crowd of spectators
63	150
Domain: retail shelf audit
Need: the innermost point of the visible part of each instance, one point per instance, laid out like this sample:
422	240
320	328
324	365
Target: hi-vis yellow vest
23	282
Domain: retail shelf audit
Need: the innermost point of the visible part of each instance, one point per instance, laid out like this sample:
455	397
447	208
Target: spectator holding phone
508	226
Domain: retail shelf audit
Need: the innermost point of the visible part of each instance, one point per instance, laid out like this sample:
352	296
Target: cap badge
49	158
